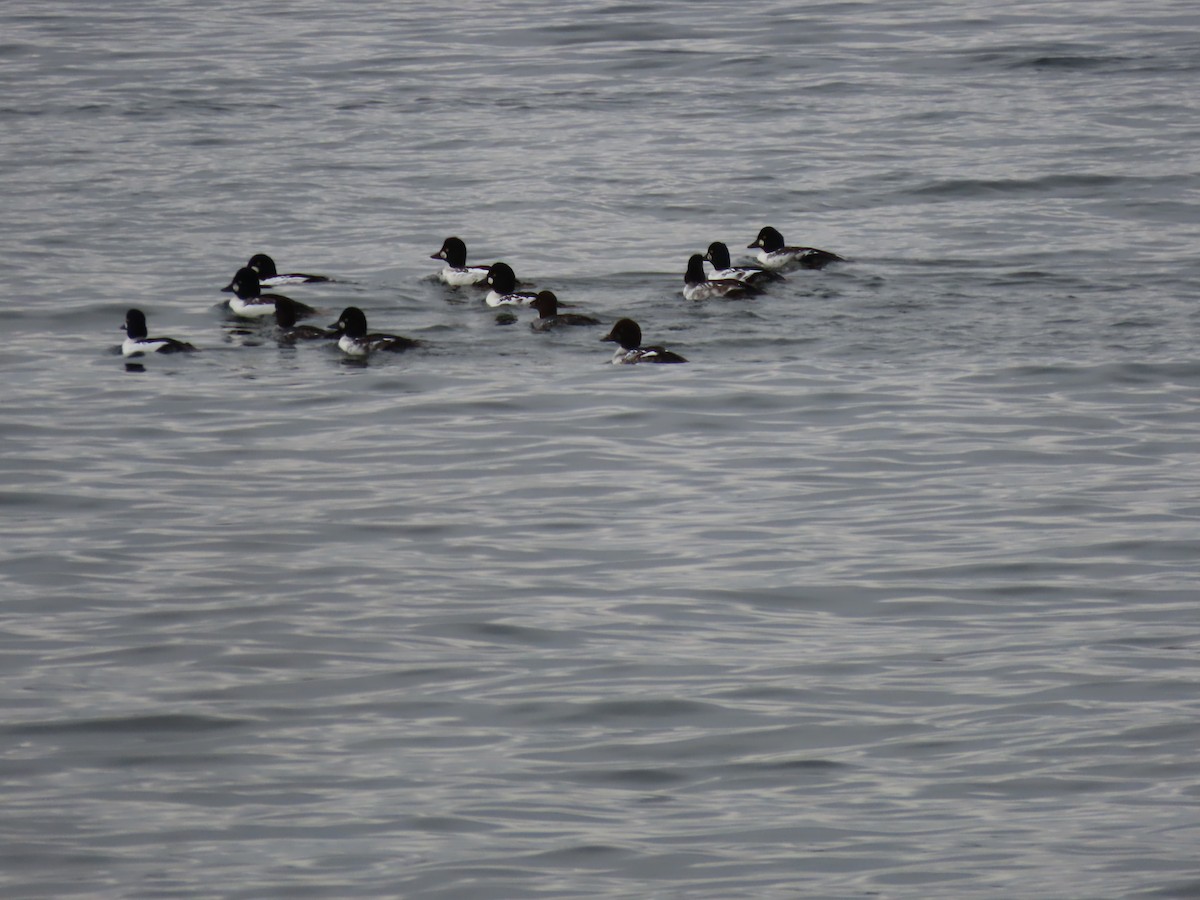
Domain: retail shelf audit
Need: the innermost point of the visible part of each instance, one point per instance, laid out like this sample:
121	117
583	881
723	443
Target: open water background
891	591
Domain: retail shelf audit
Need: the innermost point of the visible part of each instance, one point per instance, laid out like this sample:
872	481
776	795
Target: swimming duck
288	330
698	286
718	255
138	343
546	303
250	302
456	271
774	254
503	284
270	277
351	329
628	335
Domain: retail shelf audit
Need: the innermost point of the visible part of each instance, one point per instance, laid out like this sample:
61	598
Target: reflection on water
901	566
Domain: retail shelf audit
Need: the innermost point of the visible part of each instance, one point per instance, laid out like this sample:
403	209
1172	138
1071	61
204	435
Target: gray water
890	591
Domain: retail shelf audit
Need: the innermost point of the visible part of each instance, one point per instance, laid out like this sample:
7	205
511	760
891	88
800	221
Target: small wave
1059	184
1067	62
143	724
1069	57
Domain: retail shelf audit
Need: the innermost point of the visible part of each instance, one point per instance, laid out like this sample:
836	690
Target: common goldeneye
546	303
698	286
773	253
250	302
718	255
270	277
137	343
627	333
457	273
289	331
503	284
351	329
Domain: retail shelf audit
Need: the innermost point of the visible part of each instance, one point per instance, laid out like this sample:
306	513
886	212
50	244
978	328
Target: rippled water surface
890	591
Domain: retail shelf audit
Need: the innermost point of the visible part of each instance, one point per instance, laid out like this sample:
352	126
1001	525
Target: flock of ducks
250	302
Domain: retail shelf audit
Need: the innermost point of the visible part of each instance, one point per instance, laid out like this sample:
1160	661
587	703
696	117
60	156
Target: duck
503	284
249	302
698	286
289	331
269	276
138	343
718	255
353	340
773	253
546	303
456	271
628	335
